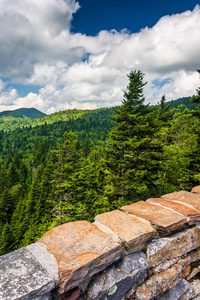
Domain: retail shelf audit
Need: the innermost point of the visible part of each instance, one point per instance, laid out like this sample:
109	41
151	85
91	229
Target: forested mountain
182	101
76	164
12	123
26	117
23	112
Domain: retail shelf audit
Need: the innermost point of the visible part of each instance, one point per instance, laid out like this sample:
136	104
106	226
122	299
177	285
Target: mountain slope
31	112
23	112
11	113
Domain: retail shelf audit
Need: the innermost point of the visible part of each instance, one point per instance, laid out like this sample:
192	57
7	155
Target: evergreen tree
67	160
195	156
165	114
179	142
133	153
196	99
6	240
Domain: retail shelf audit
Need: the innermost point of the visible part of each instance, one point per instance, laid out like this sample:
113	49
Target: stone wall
146	250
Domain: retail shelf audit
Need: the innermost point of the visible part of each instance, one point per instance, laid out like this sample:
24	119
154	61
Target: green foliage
133	153
185	101
196	99
23	112
6	239
76	164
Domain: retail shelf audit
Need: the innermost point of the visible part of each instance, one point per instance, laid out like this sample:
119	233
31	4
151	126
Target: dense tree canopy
134	153
75	164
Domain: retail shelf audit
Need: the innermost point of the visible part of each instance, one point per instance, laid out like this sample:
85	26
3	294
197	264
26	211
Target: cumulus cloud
79	71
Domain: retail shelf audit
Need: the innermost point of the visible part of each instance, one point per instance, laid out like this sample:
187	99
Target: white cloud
75	70
2	85
8	97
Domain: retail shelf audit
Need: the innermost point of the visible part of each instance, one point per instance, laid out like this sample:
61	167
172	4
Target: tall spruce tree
195	156
133	153
165	114
196	99
67	161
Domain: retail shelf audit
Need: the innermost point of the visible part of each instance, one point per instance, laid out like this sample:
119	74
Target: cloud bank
79	71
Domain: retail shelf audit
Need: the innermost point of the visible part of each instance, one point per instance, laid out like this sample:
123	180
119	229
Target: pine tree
6	238
67	160
196	99
165	114
195	156
133	153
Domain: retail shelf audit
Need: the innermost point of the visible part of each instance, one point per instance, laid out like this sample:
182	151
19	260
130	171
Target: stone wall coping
68	256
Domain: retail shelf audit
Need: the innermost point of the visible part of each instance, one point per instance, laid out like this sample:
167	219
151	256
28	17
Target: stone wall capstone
149	250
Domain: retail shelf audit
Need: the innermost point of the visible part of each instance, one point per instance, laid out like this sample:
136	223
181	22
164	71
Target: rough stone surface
187	272
196	189
22	276
194	288
192	214
43	297
176	292
184	197
81	250
161	250
129	230
130	295
164	219
45	258
195	255
70	295
159	283
194	272
163	266
117	280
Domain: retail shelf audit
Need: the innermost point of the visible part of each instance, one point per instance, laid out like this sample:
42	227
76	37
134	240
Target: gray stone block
117	280
45	258
23	277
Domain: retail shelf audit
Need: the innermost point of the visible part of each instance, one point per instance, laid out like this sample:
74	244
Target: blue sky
64	54
97	15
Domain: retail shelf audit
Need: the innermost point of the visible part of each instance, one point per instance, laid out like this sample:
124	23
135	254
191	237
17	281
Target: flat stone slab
168	248
23	277
163	218
81	250
196	189
192	214
129	230
184	197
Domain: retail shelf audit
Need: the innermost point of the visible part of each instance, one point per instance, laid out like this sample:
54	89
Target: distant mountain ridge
23	112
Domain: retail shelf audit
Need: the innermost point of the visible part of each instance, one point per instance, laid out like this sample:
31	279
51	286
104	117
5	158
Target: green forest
75	164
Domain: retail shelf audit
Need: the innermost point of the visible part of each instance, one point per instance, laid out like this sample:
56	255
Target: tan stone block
81	250
192	214
184	197
161	250
186	272
162	267
196	189
129	230
194	272
164	219
159	283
